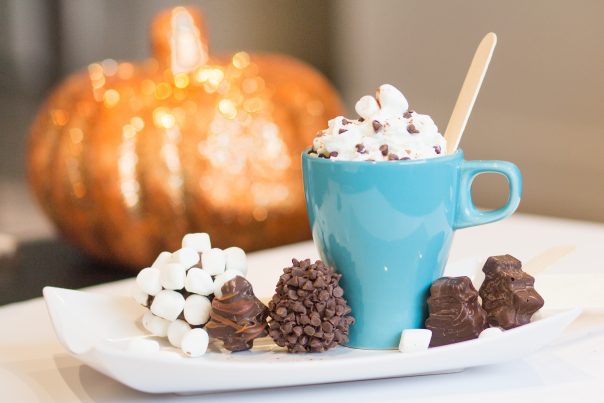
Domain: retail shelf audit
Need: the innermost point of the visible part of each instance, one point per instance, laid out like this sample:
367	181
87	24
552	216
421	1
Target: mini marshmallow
236	259
155	325
195	342
148	280
143	346
366	107
199	281
199	241
168	304
188	257
213	261
414	340
391	100
162	259
139	295
172	276
490	332
221	279
197	309
176	331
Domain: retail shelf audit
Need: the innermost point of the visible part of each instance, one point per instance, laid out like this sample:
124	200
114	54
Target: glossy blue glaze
388	226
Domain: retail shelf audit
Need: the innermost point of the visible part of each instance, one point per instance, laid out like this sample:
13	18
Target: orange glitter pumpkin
125	158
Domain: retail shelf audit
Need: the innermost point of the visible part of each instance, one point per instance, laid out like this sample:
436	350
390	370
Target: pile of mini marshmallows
178	288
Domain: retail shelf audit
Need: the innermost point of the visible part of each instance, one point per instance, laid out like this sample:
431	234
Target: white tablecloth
34	367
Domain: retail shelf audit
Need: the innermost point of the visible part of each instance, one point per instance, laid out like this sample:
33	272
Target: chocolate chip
412	129
361	119
309	330
287	328
437	149
405	158
377	126
393	157
345	121
407	115
342	131
333	154
316	345
384	149
360	149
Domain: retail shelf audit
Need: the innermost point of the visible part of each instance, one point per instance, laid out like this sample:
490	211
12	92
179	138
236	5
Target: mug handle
467	215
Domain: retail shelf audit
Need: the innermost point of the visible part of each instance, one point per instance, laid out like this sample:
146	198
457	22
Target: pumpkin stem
179	40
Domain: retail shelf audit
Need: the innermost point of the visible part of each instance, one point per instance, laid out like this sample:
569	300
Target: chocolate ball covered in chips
308	311
508	293
454	311
237	317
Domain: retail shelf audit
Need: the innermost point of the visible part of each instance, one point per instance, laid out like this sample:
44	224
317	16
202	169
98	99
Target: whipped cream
387	130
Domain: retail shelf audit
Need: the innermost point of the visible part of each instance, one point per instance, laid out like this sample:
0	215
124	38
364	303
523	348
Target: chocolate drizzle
508	293
238	317
455	313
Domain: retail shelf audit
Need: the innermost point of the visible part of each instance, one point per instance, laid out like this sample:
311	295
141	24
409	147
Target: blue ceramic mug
388	226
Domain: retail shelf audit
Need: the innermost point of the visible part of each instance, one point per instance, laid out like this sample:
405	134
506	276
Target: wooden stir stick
469	91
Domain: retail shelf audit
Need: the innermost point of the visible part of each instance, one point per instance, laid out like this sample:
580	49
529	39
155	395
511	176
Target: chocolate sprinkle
377	126
412	129
508	293
384	149
238	317
308	311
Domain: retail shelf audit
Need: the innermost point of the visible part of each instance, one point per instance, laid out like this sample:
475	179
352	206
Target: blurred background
540	106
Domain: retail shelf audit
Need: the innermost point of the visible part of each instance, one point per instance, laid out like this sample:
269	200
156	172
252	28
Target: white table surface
34	366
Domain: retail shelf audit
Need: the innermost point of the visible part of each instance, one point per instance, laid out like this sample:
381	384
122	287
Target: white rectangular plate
97	328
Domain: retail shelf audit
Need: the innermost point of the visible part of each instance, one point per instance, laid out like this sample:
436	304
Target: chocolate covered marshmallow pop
237	317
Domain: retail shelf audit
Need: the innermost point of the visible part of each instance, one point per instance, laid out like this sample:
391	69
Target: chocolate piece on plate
454	311
508	293
238	317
